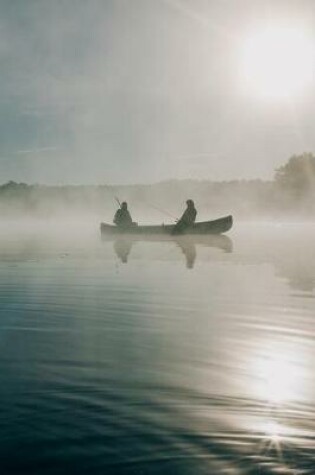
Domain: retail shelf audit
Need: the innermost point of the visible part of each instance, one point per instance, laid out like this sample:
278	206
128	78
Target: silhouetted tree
297	176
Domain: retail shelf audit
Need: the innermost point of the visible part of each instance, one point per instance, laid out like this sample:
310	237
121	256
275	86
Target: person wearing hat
122	216
188	218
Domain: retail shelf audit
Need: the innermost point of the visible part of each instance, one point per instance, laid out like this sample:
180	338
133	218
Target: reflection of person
122	248
122	216
189	250
188	218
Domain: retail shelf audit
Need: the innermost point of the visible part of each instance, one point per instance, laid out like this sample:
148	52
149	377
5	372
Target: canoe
217	226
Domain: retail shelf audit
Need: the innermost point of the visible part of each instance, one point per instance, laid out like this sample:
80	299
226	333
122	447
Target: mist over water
170	355
187	356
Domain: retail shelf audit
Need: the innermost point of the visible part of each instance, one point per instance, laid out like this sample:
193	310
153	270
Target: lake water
181	357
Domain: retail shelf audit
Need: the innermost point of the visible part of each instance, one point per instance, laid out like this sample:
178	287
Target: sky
139	91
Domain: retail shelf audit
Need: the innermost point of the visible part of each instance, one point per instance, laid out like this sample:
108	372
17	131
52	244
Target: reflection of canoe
217	226
218	241
188	244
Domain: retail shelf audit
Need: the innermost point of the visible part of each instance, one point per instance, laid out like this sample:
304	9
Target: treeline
160	201
292	191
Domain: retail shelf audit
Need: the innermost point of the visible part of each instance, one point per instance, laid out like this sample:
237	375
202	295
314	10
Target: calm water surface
187	357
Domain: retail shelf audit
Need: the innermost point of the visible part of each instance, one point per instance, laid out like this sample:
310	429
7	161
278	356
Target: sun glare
277	62
273	431
279	379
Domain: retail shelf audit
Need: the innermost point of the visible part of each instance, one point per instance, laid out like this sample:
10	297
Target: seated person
188	218
122	216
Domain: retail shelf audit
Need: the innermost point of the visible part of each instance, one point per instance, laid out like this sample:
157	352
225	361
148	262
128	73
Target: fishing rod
163	211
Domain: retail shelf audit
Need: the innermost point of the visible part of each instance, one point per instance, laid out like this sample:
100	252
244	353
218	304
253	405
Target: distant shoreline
242	198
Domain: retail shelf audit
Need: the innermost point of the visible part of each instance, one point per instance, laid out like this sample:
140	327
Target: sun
277	61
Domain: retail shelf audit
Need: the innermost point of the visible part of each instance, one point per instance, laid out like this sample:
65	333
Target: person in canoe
122	217
188	218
